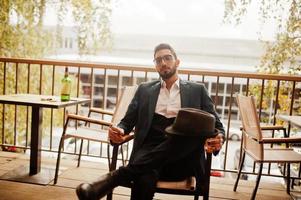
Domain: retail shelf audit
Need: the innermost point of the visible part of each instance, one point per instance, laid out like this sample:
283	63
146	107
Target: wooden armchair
196	186
92	134
253	143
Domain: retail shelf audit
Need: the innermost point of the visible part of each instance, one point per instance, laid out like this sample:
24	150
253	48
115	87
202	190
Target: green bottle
66	87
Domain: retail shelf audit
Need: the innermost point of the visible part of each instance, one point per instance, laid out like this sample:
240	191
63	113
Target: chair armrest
90	120
127	139
281	140
269	127
115	150
272	127
101	111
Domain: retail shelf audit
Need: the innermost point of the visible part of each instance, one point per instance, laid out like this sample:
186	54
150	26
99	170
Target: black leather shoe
98	189
85	192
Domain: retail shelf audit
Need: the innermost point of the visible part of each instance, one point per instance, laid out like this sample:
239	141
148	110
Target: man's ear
177	62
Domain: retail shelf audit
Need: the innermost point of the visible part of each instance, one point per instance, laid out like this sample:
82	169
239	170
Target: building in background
137	50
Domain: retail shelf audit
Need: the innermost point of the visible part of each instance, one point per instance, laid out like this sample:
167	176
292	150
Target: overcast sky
190	17
202	18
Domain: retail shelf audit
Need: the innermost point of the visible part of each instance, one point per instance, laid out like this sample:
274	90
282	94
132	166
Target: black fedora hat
193	122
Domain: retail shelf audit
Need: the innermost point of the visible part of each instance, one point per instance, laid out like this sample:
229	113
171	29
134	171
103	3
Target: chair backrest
126	95
251	126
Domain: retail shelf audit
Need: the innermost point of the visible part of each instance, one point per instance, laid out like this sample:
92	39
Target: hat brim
202	133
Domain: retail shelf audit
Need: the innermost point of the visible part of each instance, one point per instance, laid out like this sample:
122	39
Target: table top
293	119
47	101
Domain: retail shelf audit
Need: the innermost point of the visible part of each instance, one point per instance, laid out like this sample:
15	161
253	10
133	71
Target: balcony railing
102	83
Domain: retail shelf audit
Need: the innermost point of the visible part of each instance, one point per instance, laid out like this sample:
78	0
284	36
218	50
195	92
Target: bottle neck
66	72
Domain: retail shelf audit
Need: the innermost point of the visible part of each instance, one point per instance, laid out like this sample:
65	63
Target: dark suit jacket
142	108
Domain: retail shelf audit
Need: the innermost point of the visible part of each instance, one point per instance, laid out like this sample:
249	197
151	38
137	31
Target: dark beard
167	75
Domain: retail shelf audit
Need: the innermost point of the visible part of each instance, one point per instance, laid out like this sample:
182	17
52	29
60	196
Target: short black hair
165	46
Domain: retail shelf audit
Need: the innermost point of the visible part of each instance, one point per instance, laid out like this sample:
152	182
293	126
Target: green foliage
269	95
282	55
23	34
21	29
92	20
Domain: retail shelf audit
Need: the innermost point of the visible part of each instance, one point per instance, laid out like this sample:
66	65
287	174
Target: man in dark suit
155	156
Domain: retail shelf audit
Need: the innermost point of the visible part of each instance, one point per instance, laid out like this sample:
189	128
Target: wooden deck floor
71	176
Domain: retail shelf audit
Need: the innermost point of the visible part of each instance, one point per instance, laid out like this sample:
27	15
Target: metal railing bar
51	110
3	105
261	98
92	84
216	92
229	120
41	79
145	76
119	79
276	102
16	91
27	108
105	89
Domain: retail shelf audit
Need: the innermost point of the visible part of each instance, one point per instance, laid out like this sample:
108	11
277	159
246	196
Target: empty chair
92	134
253	143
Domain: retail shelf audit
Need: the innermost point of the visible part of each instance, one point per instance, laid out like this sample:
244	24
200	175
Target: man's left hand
214	144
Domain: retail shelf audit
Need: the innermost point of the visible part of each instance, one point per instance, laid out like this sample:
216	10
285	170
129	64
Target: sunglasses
166	58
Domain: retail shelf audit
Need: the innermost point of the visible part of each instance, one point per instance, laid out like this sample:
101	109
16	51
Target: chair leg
285	135
113	167
126	146
292	181
110	196
199	178
284	132
122	155
257	181
288	180
205	196
242	160
109	156
80	152
58	160
207	176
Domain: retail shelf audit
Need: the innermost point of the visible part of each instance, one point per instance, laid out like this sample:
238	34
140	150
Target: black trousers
162	157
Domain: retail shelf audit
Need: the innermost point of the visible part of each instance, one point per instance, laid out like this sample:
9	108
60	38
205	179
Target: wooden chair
97	135
253	143
196	186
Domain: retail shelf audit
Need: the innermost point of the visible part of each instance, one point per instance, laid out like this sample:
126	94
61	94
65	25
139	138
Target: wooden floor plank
71	176
20	191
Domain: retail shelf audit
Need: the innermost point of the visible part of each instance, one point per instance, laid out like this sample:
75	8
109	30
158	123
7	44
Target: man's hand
116	134
214	144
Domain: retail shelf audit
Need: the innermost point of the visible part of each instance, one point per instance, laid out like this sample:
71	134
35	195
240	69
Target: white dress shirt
169	101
